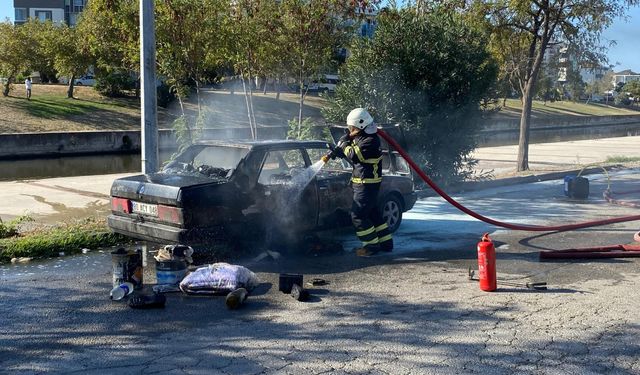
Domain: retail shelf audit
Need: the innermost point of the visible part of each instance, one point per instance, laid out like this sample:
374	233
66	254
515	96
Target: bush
309	130
114	84
428	72
622	99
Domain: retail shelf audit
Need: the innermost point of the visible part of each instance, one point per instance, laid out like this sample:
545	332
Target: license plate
144	208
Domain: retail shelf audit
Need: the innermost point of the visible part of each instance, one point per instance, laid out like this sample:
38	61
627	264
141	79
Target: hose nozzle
326	158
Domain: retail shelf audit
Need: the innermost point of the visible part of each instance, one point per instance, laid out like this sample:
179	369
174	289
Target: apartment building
57	11
624	77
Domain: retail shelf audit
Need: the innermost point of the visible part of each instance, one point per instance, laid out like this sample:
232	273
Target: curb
481	185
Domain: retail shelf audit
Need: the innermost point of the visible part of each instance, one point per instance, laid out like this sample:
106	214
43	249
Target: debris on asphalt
86	251
219	278
236	298
287	280
121	291
317	281
166	288
21	260
127	266
147	301
299	293
61	254
533	286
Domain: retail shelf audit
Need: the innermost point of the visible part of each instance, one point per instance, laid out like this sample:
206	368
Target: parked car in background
87	80
326	84
216	189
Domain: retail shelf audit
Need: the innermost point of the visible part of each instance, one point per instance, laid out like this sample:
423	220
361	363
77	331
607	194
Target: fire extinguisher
487	264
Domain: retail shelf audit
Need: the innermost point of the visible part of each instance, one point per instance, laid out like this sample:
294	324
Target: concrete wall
493	134
501	133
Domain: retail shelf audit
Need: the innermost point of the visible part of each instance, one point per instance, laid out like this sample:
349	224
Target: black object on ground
147	301
318	282
533	286
287	280
236	298
299	293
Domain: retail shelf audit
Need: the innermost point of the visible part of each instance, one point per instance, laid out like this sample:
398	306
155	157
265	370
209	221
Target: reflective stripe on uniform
382	227
347	150
385	238
365	232
358	180
372	242
358	152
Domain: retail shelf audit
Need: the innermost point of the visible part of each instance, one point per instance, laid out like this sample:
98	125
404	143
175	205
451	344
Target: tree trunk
7	85
277	88
251	111
525	121
71	84
264	90
246	100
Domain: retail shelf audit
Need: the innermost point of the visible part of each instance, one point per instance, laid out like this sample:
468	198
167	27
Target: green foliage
308	130
20	50
633	89
10	228
69	238
187	130
114	84
428	72
622	159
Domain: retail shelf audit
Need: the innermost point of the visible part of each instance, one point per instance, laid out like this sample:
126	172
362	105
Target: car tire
391	210
78	83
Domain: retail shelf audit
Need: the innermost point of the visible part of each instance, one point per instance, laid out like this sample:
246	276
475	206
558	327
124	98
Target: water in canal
68	166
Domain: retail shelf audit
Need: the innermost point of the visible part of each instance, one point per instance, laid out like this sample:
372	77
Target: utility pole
149	110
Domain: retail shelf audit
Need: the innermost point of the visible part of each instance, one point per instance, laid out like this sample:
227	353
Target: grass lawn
564	109
50	110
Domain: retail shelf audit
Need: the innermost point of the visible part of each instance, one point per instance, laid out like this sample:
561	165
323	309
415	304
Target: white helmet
361	119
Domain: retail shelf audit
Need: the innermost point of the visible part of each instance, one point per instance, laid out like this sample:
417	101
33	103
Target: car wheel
391	209
78	83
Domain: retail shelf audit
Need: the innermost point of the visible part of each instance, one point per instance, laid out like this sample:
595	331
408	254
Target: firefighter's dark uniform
366	156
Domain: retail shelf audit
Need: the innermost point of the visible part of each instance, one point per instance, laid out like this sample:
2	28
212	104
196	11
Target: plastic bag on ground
219	278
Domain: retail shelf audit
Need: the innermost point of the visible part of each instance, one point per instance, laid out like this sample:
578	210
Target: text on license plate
144	208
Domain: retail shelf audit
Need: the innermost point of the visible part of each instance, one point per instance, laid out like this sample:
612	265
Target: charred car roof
263	144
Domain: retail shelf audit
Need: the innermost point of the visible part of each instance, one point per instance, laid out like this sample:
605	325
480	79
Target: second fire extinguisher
487	264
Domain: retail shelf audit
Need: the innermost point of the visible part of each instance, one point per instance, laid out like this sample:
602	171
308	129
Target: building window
21	15
44	15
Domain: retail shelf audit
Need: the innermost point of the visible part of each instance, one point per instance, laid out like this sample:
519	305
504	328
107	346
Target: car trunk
167	198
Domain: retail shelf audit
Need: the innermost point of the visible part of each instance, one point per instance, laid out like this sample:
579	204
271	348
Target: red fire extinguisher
487	264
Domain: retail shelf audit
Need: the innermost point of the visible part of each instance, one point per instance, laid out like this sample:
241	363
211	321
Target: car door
334	191
289	198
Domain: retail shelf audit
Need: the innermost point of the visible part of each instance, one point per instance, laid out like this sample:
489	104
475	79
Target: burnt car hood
160	188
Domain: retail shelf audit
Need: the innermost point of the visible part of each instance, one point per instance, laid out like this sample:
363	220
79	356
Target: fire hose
533	228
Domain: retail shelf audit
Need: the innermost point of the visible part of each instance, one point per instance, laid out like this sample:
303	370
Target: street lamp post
149	111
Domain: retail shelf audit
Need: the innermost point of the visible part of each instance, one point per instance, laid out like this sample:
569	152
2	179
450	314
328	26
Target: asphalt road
411	312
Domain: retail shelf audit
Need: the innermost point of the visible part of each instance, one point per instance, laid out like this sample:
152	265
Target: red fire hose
462	208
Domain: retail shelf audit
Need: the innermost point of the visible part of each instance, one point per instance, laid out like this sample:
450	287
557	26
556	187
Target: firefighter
362	147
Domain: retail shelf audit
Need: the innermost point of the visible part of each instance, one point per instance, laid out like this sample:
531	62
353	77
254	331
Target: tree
20	50
68	51
633	89
426	70
311	30
537	24
187	35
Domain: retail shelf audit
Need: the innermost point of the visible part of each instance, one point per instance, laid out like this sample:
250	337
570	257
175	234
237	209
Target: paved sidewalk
545	157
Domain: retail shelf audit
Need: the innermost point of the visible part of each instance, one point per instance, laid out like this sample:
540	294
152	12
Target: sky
624	55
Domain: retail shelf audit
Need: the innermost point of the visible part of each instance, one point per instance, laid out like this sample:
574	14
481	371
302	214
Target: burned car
217	189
